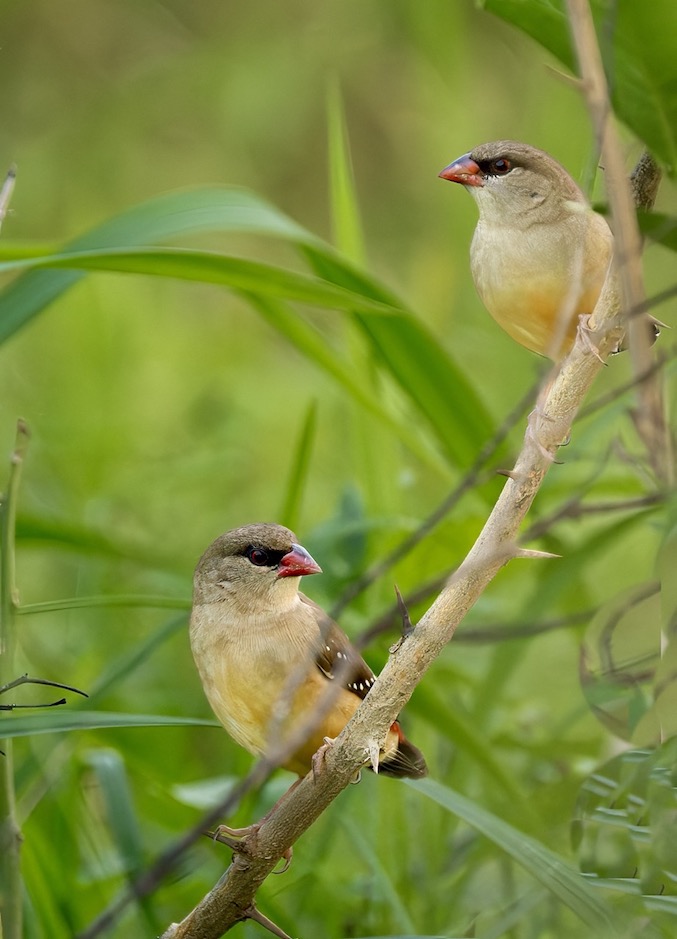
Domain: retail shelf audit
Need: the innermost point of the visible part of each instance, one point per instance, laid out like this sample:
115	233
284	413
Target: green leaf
406	349
345	211
381	881
117	796
453	722
640	60
204	266
135	655
300	467
310	343
175	215
440	392
548	868
57	722
417	362
138	600
660	227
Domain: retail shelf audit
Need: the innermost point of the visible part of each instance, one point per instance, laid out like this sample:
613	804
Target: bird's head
255	564
508	179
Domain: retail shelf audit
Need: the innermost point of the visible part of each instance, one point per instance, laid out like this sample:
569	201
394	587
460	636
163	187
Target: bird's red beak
297	563
464	171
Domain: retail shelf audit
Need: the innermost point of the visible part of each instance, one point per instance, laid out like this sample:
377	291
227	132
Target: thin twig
651	422
575	508
473	478
504	632
603	401
25	680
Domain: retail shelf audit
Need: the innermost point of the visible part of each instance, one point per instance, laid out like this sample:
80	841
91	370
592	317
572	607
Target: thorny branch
231	900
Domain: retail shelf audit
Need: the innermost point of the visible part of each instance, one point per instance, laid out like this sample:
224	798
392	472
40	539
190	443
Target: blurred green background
164	412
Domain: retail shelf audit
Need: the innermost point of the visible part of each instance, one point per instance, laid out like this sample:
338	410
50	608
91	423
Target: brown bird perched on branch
540	254
266	653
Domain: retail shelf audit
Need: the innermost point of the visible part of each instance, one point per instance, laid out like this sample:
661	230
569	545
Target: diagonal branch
231	900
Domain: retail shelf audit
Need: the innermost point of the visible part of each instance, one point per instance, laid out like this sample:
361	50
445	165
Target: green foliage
637	44
267	370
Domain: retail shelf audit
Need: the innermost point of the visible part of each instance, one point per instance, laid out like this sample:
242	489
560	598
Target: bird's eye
258	556
500	167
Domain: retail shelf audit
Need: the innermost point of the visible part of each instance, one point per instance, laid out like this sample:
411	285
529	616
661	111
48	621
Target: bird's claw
287	858
317	761
586	335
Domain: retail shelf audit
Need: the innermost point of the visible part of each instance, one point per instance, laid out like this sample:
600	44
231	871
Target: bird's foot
318	758
587	337
235	839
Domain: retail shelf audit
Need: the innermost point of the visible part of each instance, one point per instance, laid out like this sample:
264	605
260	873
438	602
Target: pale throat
267	598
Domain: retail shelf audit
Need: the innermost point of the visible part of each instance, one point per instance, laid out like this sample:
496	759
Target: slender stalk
650	418
10	835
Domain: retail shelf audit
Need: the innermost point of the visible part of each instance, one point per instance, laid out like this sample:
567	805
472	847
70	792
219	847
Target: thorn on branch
531	553
374	751
407	625
258	917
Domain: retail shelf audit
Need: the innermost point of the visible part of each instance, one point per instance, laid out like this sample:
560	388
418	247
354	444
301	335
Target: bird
266	654
540	254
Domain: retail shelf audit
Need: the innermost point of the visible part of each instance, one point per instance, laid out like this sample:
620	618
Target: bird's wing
335	650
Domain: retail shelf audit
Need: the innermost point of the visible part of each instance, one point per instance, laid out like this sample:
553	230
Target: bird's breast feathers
247	663
535	282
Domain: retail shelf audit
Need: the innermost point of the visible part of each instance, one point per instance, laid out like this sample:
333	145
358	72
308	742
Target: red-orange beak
297	563
464	171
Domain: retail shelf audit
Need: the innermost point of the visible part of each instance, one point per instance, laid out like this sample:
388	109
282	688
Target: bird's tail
406	761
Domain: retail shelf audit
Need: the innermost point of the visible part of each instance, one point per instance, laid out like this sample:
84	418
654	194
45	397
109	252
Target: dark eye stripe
263	557
501	166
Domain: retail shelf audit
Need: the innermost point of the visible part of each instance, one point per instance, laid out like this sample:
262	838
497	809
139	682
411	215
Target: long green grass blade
134	600
413	357
418	363
179	214
57	722
310	343
206	267
299	468
345	213
382	880
543	864
117	797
